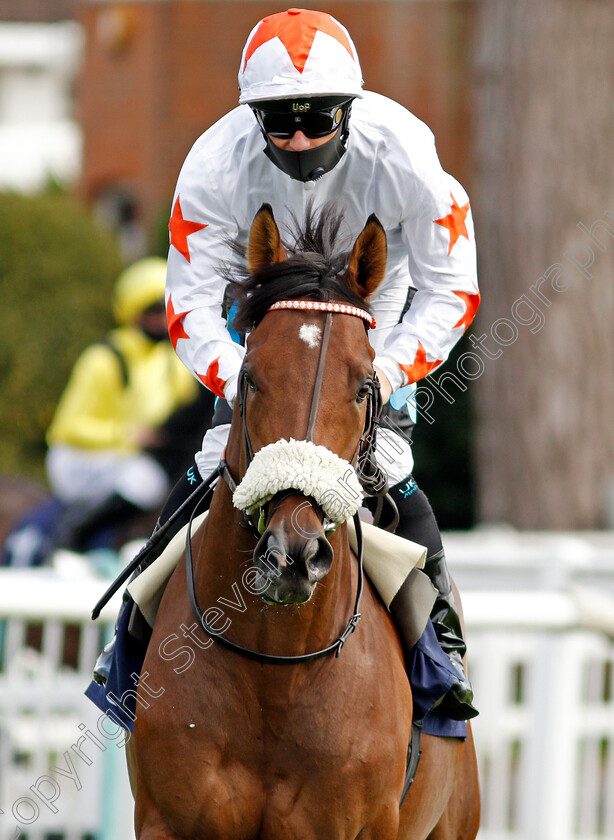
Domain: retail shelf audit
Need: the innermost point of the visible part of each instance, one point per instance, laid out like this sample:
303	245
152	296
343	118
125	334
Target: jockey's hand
386	388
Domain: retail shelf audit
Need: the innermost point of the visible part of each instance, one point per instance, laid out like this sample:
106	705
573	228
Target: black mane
313	271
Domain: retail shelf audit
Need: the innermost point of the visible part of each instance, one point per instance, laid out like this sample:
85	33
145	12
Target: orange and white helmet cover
298	53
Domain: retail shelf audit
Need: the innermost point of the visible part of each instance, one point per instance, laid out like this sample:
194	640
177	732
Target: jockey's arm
201	228
439	236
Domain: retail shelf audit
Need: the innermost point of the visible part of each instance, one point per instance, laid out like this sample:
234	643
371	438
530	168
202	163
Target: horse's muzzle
292	567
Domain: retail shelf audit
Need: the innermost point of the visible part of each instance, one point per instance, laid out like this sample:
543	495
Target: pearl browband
325	306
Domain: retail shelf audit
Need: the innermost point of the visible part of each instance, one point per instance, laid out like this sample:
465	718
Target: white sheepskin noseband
301	465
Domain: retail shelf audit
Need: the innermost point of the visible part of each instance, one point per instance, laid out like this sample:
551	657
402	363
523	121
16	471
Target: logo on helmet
300	106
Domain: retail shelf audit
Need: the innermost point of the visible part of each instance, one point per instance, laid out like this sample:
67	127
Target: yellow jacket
101	408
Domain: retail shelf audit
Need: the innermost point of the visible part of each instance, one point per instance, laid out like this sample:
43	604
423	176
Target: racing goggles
302	116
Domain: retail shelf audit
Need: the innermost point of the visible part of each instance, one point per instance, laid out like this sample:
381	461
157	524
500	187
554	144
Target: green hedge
57	269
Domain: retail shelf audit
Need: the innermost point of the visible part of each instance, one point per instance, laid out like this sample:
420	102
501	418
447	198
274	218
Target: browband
325	306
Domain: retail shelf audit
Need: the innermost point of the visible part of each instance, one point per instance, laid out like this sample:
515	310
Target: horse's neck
222	578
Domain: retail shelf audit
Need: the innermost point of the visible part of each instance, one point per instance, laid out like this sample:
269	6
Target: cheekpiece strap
325	306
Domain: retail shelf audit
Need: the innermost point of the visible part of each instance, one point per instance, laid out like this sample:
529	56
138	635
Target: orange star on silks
298	44
420	367
472	303
175	323
212	379
455	222
180	229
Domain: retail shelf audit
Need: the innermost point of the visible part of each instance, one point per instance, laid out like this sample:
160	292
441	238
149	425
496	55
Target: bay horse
307	746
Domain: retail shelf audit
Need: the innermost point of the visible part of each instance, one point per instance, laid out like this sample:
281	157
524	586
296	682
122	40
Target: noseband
362	455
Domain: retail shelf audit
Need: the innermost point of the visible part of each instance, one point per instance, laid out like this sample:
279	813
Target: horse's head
307	393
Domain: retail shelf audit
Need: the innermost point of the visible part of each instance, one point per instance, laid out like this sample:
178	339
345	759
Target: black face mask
312	163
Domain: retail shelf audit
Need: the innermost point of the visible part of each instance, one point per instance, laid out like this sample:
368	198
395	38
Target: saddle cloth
388	560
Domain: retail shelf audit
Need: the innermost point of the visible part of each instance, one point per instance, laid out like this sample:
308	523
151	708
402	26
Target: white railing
540	623
55	780
538	611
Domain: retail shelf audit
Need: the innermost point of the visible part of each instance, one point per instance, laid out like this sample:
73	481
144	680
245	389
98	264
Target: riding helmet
296	55
138	287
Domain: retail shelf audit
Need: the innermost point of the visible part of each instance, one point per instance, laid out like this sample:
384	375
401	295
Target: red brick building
37	11
158	72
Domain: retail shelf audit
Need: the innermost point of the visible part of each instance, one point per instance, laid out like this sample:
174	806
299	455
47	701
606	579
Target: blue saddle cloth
430	675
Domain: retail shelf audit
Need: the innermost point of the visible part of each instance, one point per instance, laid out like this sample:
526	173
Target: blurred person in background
108	427
123	431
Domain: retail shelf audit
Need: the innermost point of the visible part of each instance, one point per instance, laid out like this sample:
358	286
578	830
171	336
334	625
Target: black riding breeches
190	480
416	518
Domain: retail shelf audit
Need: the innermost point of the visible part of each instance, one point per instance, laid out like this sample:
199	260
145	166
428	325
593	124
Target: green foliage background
57	270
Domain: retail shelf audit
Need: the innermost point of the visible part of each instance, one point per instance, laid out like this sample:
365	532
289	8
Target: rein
159	538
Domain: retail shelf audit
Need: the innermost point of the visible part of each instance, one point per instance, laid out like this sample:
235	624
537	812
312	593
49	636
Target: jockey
306	132
103	438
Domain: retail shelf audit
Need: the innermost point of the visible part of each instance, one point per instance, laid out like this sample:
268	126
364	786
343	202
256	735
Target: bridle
363	451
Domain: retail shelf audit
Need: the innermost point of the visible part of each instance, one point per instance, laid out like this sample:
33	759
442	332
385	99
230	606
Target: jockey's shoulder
378	115
228	134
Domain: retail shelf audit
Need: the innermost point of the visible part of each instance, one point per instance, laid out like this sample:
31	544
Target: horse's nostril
320	558
277	554
292	565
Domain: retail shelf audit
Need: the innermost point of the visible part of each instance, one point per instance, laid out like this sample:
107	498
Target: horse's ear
368	259
264	246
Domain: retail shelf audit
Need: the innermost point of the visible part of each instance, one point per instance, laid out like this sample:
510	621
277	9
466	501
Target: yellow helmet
137	287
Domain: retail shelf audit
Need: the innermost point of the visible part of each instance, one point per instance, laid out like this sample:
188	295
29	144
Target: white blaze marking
310	334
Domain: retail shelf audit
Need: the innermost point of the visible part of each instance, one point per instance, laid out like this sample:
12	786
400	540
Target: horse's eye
363	392
251	382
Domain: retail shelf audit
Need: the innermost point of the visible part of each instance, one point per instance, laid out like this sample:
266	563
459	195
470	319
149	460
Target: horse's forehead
311	334
280	332
294	324
308	333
